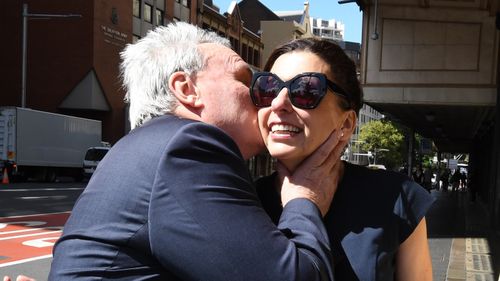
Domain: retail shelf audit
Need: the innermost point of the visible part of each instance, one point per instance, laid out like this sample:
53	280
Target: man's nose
281	102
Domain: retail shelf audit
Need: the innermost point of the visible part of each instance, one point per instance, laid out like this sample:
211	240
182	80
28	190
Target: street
31	219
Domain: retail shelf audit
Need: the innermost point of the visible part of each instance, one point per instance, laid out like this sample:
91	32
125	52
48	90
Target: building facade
328	29
71	62
230	24
274	28
433	65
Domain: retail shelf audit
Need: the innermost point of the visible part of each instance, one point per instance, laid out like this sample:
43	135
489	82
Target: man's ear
181	85
349	124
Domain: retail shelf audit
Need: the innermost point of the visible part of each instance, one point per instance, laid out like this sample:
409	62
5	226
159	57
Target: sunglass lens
305	91
265	89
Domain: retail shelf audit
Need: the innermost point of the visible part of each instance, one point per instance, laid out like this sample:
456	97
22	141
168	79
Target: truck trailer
42	145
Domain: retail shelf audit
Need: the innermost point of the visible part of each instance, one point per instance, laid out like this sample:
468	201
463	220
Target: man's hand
19	278
317	176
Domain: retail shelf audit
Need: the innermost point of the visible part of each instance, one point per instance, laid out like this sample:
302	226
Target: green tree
379	136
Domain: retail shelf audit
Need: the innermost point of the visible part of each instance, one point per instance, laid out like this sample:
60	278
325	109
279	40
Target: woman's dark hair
342	67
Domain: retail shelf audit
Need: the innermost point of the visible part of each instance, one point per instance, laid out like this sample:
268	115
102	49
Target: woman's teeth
284	128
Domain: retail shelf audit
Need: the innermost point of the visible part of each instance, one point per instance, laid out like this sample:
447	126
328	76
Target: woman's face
290	133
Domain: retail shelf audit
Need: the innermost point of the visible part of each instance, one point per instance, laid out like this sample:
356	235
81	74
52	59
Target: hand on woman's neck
291	165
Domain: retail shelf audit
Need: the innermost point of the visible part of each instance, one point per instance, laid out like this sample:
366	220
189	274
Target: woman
376	221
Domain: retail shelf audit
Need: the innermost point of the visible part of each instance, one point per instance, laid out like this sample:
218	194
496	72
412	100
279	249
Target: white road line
28	235
18	231
57	197
34	215
25	260
42	189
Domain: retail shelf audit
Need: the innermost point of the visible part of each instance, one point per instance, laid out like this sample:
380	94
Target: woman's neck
291	170
291	165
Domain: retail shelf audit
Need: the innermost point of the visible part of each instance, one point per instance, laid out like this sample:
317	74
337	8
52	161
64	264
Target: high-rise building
328	29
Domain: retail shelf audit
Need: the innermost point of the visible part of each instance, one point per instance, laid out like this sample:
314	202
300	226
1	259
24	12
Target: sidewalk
463	247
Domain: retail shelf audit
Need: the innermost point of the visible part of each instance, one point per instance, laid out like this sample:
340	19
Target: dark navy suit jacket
173	200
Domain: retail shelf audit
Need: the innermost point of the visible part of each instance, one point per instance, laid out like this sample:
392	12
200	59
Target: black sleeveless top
372	213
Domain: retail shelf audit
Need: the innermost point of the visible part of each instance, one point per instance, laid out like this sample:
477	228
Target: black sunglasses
304	90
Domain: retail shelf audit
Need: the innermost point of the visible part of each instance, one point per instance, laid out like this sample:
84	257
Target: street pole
25	16
25	35
410	151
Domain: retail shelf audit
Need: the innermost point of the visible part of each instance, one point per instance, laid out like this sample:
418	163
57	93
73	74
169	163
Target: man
173	199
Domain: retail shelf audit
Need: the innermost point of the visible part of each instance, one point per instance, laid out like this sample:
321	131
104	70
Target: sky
349	13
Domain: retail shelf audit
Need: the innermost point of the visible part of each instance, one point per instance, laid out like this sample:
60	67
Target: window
236	45
186	3
244	53
256	58
159	17
137	8
148	13
250	55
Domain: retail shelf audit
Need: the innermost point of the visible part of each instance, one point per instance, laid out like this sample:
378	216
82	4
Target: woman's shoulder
381	184
380	177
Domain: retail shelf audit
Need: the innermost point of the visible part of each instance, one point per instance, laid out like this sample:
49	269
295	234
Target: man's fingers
337	153
6	278
324	151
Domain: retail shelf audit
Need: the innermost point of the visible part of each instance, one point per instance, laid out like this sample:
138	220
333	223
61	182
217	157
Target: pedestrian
173	200
445	176
427	179
455	180
376	221
463	181
418	175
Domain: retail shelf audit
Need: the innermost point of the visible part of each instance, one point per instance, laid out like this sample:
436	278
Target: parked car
92	158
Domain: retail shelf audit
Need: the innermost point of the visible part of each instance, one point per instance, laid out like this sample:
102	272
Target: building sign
114	37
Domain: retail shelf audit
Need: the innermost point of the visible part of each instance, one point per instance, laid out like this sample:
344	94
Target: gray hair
147	65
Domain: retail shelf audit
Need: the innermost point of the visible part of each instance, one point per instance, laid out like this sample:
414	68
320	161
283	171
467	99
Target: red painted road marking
26	238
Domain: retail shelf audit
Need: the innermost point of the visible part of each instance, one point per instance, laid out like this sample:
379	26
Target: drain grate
479	277
477	245
478	262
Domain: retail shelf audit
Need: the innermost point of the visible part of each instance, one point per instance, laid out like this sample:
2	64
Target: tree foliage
383	135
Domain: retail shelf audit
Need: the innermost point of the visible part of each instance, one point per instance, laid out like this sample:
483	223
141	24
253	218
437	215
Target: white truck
43	145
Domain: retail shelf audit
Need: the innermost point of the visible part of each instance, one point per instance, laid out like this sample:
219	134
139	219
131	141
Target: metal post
438	173
410	151
23	77
374	35
24	44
